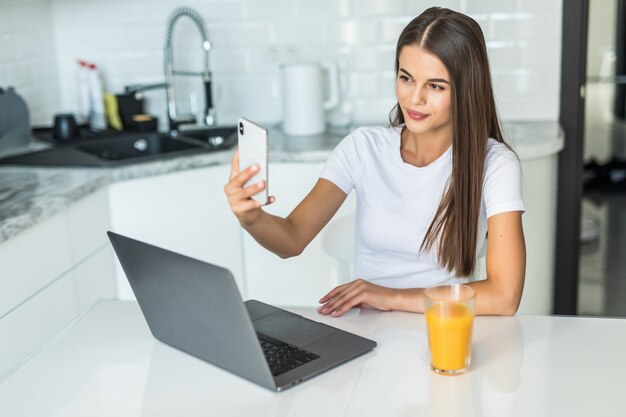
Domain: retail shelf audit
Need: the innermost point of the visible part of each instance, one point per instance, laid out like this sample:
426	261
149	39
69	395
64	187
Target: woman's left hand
356	293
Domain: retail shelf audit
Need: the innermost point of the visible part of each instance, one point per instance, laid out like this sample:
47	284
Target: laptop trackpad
291	328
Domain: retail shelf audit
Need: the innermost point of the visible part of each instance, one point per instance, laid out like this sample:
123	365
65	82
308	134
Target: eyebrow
431	80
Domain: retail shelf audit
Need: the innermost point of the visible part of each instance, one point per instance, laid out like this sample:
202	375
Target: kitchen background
40	41
60	214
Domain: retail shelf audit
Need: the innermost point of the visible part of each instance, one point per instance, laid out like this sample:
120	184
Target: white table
107	364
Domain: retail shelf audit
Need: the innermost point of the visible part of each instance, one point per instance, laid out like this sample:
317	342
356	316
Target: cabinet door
539	232
32	260
301	280
88	221
185	212
94	278
52	272
36	320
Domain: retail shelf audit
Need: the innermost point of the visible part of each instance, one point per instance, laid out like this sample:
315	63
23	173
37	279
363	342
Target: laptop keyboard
283	357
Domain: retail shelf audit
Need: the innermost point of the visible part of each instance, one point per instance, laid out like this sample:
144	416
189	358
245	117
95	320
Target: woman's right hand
239	198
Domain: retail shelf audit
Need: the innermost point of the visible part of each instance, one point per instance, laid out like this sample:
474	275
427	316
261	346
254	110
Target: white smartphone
252	143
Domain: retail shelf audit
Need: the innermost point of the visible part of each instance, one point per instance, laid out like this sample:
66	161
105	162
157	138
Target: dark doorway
571	117
602	266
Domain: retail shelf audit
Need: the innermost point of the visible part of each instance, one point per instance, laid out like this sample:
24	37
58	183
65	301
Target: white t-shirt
396	203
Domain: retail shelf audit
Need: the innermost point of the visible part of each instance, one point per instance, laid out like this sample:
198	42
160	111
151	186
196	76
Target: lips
415	115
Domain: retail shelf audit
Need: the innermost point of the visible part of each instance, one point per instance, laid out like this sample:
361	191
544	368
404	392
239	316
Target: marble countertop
29	195
107	363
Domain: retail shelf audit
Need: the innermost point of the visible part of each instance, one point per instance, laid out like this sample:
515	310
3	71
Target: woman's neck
421	149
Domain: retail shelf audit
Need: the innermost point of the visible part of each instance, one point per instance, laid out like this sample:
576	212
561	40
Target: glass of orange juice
449	319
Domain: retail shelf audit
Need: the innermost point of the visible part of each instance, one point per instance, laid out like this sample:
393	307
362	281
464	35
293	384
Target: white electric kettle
303	104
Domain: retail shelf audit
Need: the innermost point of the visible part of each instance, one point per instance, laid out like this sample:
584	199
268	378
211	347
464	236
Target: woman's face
423	91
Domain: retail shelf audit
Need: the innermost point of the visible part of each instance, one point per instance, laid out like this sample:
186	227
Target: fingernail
335	313
254	167
260	184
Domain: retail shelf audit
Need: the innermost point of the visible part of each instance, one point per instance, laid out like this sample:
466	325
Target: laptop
196	307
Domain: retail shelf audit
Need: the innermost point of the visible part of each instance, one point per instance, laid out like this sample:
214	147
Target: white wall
28	56
251	38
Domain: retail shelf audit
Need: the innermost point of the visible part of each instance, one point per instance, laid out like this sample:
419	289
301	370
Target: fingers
239	197
249	191
237	182
234	165
345	298
245	206
334	292
339	305
270	200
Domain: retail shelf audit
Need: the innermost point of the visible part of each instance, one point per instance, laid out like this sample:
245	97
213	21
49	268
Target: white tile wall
251	38
28	56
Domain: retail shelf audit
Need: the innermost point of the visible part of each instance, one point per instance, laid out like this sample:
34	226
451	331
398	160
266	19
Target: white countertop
108	364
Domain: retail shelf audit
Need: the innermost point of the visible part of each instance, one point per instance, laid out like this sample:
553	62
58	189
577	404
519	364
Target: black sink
215	137
136	146
128	147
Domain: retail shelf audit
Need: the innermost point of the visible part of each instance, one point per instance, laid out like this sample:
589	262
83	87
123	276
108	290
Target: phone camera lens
241	128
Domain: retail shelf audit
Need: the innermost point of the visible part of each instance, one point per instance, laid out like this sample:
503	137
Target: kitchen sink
214	137
136	146
126	148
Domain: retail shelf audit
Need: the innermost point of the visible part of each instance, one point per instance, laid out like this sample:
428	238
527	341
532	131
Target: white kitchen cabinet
35	320
300	280
185	212
93	278
539	188
47	251
32	259
50	274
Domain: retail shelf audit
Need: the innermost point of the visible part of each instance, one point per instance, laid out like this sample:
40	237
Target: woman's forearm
489	299
410	299
288	237
494	300
275	234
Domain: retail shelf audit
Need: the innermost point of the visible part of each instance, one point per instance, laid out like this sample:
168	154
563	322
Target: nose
418	96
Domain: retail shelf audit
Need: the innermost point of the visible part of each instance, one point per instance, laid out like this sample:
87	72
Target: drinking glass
449	320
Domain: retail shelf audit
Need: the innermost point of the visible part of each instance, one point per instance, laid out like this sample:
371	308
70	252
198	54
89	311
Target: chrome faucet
175	119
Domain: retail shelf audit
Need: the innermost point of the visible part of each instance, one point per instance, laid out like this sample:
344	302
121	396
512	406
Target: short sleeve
343	165
502	187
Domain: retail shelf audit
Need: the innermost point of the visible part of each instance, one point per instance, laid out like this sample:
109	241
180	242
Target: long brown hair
458	42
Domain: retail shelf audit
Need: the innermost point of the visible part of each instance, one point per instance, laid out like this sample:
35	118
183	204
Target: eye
437	87
404	78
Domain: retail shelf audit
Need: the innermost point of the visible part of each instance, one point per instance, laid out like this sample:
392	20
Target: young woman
429	188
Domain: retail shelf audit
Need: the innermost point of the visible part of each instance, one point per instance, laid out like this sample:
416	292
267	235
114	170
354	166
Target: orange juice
450	335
